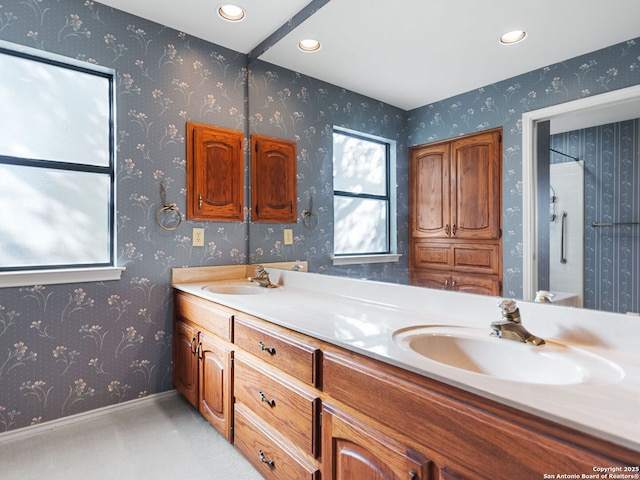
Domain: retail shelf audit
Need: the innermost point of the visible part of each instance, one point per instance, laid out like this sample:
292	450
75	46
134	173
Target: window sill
51	277
358	259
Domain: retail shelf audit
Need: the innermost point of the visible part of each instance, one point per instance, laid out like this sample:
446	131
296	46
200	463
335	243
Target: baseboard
19	433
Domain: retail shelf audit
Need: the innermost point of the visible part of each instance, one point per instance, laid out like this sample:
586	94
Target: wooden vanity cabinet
273	180
465	436
202	359
455	209
457	283
215	173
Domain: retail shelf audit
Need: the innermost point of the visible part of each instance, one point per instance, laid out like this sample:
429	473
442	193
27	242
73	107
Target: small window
363	196
56	168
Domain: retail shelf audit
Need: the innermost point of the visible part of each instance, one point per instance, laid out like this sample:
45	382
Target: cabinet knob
271	350
263	398
264	459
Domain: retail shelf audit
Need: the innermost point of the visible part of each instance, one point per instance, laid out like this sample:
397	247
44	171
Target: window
57	171
363	198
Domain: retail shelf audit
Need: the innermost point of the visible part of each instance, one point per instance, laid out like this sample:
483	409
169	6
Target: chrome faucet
510	327
262	278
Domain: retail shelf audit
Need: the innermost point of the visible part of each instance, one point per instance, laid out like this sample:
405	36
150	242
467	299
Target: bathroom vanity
334	378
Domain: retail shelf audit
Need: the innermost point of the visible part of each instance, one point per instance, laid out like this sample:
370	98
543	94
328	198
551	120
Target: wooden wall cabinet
455	209
215	173
273	180
202	359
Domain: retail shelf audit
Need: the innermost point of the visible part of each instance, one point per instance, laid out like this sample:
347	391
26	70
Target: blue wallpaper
611	155
503	103
65	349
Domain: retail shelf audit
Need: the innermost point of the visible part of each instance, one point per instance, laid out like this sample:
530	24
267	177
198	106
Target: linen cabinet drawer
267	451
216	319
278	347
288	408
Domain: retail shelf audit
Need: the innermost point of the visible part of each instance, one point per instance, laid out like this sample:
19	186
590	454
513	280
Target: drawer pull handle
263	398
192	344
413	475
271	350
264	459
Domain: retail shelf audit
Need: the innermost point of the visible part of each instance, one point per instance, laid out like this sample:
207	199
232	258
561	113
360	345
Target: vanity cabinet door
355	450
215	173
273	180
185	361
215	382
477	285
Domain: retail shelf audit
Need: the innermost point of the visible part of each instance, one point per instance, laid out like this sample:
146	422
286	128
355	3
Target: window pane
52	217
359	166
53	113
360	226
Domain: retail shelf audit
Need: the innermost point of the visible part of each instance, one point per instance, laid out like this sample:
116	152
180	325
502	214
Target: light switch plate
288	236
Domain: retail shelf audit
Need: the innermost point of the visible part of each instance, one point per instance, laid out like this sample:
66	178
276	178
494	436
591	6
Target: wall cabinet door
215	383
354	450
475	187
456	188
215	173
185	361
476	284
273	180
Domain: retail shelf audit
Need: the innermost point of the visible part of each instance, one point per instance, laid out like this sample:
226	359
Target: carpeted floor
163	439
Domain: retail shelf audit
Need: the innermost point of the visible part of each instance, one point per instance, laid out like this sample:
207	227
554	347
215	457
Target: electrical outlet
288	236
198	237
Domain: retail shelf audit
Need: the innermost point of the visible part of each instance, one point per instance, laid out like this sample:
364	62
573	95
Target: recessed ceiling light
515	36
309	45
232	13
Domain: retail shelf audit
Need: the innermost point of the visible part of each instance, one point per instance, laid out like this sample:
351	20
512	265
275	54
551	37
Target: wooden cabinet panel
206	314
185	361
476	284
276	347
215	173
273	180
476	186
430	198
291	410
267	451
215	383
459	431
481	258
355	450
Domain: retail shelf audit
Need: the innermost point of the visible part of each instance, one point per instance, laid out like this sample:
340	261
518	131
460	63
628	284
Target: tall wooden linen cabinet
455	211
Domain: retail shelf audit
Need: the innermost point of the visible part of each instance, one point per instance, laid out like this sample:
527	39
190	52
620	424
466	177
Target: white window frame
392	255
27	276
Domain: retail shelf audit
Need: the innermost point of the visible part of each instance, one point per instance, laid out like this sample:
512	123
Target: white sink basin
226	288
474	350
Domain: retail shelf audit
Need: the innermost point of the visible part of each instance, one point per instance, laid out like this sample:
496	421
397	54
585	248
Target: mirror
285	104
603	130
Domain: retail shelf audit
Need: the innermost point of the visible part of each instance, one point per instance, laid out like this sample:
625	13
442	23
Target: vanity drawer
278	347
267	451
289	408
204	313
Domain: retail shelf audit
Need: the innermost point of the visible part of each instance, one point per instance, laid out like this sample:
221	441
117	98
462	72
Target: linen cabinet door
185	361
215	392
354	450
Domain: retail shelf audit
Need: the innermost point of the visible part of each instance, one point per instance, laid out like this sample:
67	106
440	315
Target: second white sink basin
236	288
474	350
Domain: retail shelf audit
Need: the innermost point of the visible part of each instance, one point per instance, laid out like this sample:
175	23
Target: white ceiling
430	51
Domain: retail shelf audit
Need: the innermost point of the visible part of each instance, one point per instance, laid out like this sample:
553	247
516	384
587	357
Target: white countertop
362	316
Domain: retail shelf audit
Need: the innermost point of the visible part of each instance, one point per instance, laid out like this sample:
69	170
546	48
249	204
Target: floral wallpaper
66	349
611	155
503	103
